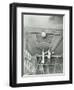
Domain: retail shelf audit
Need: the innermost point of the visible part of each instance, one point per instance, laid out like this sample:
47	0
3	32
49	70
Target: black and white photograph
40	44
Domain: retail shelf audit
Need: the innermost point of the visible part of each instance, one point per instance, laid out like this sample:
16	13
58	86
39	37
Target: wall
4	43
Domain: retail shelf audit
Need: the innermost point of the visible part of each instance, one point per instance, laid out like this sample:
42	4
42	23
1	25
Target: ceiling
48	24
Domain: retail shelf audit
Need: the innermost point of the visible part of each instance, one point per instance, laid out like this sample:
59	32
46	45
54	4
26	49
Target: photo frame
40	44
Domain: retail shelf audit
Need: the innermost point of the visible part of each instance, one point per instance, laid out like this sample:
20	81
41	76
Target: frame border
13	44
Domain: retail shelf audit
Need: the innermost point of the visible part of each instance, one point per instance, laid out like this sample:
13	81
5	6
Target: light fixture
43	34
